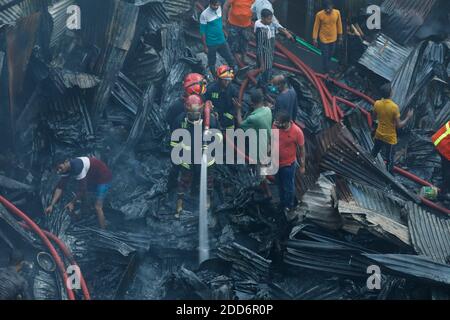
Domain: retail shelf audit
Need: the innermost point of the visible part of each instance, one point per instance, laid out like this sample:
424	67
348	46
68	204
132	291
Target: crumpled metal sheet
420	267
319	205
405	17
246	264
58	12
385	57
340	153
430	233
69	121
309	247
415	73
10	11
121	242
66	79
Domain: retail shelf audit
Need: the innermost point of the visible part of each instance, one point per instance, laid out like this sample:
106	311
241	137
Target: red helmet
195	83
225	72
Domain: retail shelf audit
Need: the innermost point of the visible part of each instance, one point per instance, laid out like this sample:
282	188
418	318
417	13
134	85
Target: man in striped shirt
266	30
213	37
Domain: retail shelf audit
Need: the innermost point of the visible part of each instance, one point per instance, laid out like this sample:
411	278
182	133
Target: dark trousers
328	51
445	175
286	185
225	52
187	177
238	39
387	153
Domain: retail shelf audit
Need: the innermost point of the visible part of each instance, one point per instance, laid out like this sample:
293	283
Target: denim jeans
286	185
328	50
225	52
387	152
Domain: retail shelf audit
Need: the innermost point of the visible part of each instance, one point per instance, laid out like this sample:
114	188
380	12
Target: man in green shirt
259	119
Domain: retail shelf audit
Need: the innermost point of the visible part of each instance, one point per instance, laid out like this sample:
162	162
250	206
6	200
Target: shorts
101	191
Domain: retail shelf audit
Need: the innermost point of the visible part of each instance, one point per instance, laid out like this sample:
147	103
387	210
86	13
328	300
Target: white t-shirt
259	5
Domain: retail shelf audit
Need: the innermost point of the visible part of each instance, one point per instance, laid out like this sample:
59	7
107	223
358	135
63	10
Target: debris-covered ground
104	90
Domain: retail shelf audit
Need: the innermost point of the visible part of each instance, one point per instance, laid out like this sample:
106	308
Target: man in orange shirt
239	15
328	29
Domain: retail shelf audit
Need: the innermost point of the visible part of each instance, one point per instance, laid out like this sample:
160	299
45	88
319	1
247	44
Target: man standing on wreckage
194	123
92	174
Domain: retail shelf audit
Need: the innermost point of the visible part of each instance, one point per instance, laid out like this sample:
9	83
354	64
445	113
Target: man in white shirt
259	5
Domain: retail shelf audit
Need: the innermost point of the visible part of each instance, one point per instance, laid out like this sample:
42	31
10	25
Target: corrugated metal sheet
246	264
378	201
177	8
20	42
319	205
405	17
58	11
415	73
385	57
121	31
339	152
416	266
310	248
11	13
430	233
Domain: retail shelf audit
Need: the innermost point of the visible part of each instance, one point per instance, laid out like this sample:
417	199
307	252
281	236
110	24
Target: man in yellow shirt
328	29
388	115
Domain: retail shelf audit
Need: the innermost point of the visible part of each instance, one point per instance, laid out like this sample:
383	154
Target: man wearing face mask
286	100
192	117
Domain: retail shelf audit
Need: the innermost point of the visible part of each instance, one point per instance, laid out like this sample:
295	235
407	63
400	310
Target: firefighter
194	83
224	97
441	141
191	119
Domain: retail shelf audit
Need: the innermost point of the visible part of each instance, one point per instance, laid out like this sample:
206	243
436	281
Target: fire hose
335	113
30	224
62	246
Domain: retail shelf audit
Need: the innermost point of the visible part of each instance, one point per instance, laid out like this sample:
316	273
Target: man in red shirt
92	174
291	142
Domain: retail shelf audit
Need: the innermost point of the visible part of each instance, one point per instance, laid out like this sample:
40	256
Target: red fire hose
68	255
14	210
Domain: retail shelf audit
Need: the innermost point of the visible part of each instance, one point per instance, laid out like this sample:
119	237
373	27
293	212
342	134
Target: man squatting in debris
328	29
213	36
91	174
388	115
13	286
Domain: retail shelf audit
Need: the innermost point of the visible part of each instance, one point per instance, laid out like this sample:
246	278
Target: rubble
104	90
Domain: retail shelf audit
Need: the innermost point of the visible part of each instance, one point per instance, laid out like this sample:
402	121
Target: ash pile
104	91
